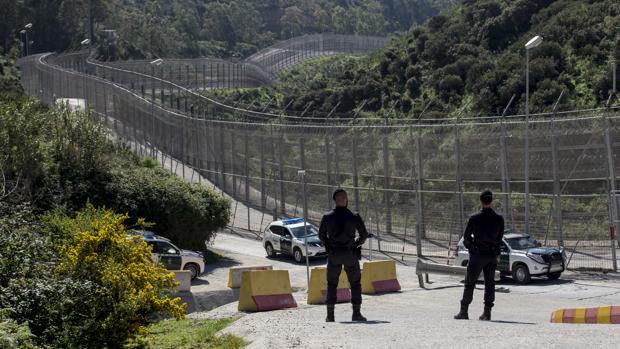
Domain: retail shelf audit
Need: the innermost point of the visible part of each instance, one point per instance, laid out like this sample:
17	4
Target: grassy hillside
473	59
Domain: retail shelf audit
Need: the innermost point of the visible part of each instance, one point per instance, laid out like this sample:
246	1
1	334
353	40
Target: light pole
21	36
302	173
26	28
535	41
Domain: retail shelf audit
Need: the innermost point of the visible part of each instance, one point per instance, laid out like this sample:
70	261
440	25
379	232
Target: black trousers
477	264
335	262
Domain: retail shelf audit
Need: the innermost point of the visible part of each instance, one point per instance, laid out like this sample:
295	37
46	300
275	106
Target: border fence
415	181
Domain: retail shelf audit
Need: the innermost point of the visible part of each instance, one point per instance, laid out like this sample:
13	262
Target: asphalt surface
413	318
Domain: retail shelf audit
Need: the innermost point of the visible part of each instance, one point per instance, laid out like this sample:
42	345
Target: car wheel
193	268
521	274
270	251
554	276
298	255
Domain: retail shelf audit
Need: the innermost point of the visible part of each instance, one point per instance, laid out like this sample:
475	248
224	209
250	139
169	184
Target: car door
286	242
504	258
169	255
275	237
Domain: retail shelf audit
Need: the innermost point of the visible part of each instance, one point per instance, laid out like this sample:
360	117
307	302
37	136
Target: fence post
263	198
613	217
459	188
246	145
557	191
356	191
421	229
328	172
386	179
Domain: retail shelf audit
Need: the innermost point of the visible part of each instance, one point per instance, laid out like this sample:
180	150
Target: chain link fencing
415	182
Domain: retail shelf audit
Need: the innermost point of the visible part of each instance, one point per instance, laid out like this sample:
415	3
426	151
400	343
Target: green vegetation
70	276
190	333
472	59
202	27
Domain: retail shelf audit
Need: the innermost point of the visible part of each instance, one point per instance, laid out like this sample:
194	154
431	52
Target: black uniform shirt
484	232
337	229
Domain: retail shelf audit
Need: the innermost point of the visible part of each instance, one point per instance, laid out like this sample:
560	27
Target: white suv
173	258
287	237
522	257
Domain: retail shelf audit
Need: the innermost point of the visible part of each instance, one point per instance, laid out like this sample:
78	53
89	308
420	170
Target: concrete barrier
263	290
379	277
184	278
598	315
234	274
317	293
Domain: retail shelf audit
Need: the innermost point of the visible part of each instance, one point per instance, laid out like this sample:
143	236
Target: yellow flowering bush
129	289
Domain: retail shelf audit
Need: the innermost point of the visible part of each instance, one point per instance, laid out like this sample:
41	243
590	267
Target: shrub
189	214
114	288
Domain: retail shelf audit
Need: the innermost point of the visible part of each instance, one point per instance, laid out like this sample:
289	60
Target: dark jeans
477	264
335	262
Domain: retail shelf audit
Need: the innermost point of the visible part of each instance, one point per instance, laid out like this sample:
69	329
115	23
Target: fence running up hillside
413	183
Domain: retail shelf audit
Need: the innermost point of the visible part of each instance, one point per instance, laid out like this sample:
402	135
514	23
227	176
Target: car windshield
298	232
522	243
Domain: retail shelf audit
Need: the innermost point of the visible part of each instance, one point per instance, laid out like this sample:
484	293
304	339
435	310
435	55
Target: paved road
414	318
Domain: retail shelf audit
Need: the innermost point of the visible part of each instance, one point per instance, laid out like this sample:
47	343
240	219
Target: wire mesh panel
414	182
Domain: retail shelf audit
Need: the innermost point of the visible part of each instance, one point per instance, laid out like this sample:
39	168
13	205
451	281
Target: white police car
287	237
522	257
172	257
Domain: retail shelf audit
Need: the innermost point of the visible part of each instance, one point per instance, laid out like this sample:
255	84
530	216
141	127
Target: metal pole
504	163
557	202
527	141
247	175
614	63
328	172
302	173
612	181
356	191
420	198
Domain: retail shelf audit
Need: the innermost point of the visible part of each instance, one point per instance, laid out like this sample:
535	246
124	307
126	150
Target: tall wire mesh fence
414	181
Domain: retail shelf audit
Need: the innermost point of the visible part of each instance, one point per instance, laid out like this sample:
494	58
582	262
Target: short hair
486	197
337	192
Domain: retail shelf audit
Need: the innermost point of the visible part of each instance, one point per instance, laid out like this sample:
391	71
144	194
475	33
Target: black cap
338	191
486	196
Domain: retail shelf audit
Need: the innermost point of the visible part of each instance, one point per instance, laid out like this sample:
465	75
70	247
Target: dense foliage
202	27
74	162
70	275
472	59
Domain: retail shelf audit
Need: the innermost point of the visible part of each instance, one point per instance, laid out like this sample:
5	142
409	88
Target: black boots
330	313
357	315
462	315
486	315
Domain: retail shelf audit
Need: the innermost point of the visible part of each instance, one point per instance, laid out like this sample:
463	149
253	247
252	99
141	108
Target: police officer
337	232
482	238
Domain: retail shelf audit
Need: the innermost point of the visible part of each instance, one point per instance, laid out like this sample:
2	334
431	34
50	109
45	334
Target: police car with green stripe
522	257
287	237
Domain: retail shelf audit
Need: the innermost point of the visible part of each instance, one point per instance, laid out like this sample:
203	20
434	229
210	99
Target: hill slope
473	59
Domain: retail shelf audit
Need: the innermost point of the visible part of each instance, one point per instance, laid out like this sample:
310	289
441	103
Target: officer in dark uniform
337	232
482	238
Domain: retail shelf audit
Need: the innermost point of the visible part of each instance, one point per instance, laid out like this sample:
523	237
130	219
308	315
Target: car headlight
537	258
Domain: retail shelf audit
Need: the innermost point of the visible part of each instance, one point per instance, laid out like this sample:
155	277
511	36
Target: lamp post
535	41
26	28
21	36
302	174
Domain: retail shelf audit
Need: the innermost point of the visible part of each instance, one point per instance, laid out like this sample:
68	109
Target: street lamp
26	28
535	41
302	173
21	36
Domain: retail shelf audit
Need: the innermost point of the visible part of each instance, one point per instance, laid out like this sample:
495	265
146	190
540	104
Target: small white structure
76	104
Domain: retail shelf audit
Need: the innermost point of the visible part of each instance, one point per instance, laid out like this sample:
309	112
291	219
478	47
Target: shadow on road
536	282
369	322
512	322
